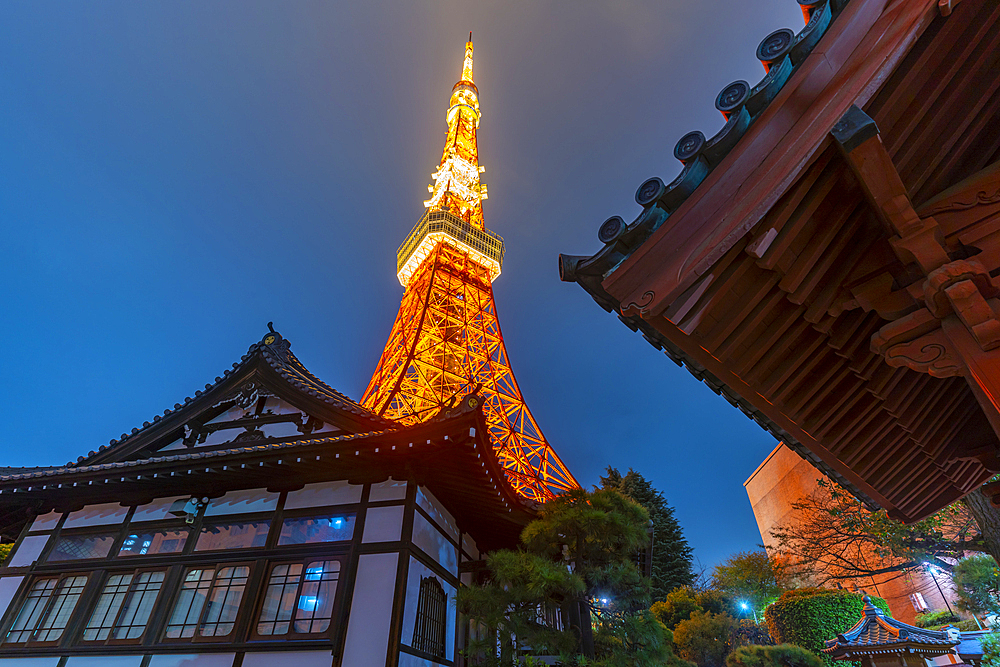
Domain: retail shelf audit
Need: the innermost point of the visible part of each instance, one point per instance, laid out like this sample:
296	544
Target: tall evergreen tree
671	553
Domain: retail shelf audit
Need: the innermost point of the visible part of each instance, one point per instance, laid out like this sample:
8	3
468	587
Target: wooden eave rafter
451	456
773	278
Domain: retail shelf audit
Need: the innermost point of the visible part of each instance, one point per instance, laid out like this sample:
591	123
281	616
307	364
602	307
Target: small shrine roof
876	630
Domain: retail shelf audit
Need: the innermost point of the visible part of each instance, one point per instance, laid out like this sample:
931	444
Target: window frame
78	639
25	595
247	597
335	611
312	513
191	548
114	532
421	612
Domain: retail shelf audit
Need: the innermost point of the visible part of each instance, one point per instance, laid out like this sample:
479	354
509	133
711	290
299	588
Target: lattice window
299	598
124	606
46	610
208	602
429	630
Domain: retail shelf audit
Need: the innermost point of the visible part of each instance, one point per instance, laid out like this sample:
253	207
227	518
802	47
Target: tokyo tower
446	340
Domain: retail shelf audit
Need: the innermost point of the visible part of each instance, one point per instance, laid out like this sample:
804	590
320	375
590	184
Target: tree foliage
748	576
977	582
5	550
705	638
808	617
832	536
672	555
782	655
681	602
577	556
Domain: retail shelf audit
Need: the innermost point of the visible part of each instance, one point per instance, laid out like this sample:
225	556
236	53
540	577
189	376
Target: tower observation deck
446	340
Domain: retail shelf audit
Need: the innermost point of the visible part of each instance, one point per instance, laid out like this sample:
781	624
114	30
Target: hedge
808	617
782	655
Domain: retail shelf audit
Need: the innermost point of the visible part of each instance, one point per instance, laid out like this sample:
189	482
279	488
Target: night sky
175	175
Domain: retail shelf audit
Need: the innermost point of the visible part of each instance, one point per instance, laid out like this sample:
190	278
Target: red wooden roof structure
827	260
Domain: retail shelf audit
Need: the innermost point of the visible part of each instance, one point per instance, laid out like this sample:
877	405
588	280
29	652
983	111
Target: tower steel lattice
446	340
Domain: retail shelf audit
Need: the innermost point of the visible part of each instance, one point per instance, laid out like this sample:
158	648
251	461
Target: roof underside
767	313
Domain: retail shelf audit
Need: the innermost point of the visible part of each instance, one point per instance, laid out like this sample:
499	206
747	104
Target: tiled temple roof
275	351
876	630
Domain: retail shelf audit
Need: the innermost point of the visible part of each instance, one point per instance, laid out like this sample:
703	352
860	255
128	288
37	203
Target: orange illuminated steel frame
446	340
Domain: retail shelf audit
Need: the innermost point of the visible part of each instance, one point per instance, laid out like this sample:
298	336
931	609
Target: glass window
46	610
72	547
124	606
307	530
208	602
299	598
241	535
167	541
432	608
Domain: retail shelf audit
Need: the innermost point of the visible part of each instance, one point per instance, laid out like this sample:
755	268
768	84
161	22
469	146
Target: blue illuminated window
299	599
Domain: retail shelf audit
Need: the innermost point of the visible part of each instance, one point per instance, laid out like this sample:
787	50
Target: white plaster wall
469	546
326	493
156	510
192	660
27	552
413	575
437	512
105	661
383	524
371	611
434	543
46	521
242	502
407	660
97	515
296	659
390	489
8	587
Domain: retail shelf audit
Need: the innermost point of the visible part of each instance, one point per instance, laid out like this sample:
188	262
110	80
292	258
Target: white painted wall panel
390	489
192	660
326	493
434	543
407	660
27	552
469	546
8	587
437	512
371	611
105	661
383	524
46	521
291	659
97	515
242	502
414	573
156	510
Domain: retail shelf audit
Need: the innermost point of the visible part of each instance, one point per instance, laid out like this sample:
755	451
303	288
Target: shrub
5	550
991	650
935	618
678	606
808	617
782	655
705	638
748	633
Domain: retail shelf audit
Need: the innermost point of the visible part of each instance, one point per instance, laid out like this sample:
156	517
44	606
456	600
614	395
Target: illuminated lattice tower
446	340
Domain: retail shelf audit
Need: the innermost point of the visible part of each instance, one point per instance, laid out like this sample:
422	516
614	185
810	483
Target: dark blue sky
175	175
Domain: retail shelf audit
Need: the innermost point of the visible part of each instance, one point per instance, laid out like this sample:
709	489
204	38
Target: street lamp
745	606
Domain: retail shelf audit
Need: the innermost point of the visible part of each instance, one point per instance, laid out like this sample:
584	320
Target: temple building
827	260
269	519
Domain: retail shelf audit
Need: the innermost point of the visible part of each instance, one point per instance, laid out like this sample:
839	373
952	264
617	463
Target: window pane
154	542
139	605
279	601
66	596
319	587
31	610
107	608
233	536
317	529
72	547
224	602
190	601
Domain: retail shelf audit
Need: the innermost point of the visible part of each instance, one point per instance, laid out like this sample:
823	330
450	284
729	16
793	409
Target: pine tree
671	553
